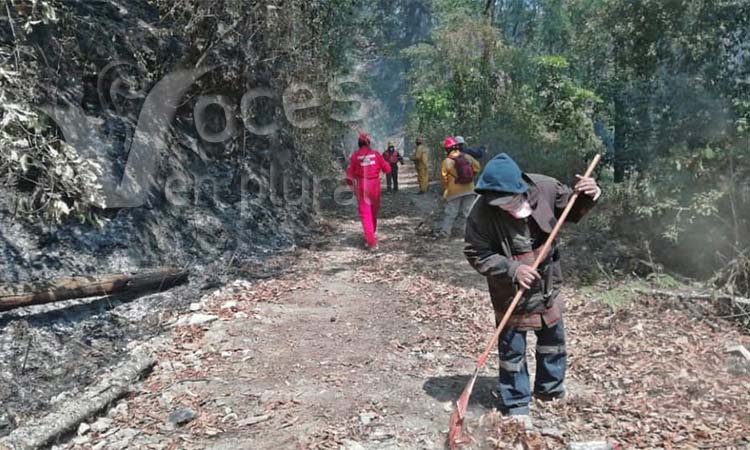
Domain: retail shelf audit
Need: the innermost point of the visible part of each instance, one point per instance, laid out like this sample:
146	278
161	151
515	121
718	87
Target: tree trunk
489	10
620	144
42	292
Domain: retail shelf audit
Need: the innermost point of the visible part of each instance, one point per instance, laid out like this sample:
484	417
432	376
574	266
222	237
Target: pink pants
369	204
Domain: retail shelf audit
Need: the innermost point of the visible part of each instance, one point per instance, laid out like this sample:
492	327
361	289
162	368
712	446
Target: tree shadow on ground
354	240
400	204
443	260
449	388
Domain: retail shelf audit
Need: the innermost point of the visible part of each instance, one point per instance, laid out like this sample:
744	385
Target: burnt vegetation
251	153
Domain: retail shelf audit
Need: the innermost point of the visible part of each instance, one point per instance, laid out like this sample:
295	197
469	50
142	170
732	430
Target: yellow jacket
448	171
420	156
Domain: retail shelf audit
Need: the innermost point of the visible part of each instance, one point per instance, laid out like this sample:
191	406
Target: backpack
464	171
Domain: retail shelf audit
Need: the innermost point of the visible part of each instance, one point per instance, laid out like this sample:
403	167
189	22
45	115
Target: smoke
398	25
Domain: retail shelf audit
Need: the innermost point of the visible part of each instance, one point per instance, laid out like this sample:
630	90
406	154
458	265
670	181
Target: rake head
456	424
456	430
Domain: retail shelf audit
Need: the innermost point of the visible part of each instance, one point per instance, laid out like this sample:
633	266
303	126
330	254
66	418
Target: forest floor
343	348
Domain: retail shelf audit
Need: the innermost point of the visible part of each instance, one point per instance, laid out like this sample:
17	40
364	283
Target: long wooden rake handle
456	422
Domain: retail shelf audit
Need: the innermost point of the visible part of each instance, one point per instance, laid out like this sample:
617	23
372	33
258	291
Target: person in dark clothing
392	157
507	226
476	153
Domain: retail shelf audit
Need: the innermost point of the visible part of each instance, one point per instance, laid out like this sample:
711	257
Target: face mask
519	207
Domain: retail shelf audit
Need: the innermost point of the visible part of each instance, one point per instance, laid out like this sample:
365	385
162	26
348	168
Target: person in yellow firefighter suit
421	162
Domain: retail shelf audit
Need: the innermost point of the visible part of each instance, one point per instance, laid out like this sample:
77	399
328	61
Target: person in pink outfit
363	175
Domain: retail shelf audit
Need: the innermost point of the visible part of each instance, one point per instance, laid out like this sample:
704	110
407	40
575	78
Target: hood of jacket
501	176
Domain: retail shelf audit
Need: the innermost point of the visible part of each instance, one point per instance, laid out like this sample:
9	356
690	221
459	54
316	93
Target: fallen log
42	432
42	292
694	296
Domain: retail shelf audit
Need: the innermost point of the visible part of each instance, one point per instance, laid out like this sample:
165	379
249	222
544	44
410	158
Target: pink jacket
366	164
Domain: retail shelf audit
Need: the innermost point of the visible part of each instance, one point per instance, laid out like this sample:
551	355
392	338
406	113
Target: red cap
450	142
363	139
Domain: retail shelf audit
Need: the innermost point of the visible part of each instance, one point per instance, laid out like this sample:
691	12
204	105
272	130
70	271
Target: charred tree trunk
42	292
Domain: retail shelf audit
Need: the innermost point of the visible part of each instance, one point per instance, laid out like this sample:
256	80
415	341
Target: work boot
549	397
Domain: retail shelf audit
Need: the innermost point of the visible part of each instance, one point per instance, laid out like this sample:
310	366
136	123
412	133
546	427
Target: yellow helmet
391	144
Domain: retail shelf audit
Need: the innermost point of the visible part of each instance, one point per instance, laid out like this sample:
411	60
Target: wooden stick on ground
693	295
41	433
739	349
42	292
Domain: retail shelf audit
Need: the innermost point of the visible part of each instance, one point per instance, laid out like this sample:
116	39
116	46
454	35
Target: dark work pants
514	388
392	178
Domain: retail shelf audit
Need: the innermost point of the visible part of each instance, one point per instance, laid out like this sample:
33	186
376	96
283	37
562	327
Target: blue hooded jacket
501	176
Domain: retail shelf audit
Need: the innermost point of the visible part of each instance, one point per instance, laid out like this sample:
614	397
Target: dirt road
354	350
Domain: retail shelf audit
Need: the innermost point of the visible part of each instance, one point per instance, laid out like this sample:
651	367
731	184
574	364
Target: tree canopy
661	87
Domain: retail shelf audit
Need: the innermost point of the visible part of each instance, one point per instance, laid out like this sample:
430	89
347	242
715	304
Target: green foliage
692	205
663	83
434	107
616	295
468	81
664	281
566	106
619	295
